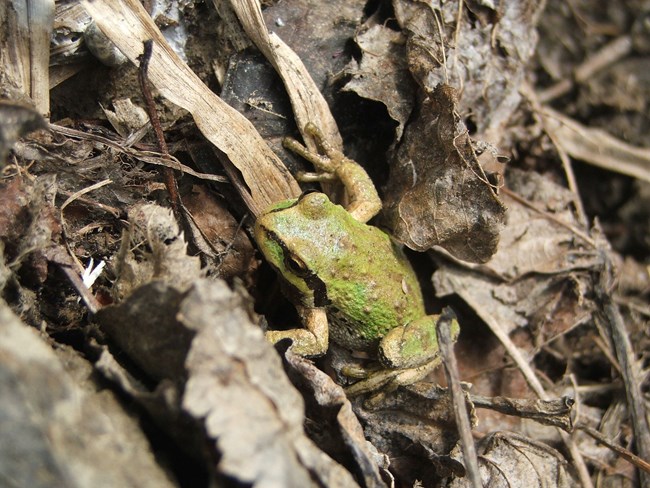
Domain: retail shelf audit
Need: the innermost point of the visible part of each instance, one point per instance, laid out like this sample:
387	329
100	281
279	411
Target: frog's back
376	291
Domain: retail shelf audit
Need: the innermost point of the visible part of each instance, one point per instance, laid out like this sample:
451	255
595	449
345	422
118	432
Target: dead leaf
238	390
153	249
145	327
507	459
415	427
465	55
382	74
326	401
126	117
65	429
438	194
227	249
531	242
197	337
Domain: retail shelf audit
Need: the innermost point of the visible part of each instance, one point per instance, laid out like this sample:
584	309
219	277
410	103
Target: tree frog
350	281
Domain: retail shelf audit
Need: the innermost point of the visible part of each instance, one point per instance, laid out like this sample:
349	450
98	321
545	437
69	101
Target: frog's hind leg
410	345
387	380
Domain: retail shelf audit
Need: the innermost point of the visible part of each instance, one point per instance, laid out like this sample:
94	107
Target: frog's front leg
311	341
334	165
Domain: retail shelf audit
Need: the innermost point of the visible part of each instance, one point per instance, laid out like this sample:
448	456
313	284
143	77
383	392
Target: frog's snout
314	205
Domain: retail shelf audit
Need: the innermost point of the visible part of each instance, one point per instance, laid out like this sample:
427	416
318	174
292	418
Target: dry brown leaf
438	194
514	461
153	249
531	242
466	57
223	242
307	102
382	74
333	407
266	180
237	388
65	429
414	426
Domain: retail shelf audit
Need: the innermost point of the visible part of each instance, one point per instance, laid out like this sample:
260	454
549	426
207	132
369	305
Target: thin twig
458	396
621	451
168	173
607	55
610	315
550	217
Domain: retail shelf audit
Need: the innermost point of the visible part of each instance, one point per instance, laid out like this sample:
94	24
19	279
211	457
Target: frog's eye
296	265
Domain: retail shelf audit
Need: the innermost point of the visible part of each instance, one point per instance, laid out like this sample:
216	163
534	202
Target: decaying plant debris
132	345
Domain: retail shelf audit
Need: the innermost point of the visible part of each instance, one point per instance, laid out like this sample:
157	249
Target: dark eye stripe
313	282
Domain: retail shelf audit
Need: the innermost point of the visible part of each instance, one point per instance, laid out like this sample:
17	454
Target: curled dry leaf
327	403
382	74
65	429
415	427
438	194
239	391
153	248
537	276
540	280
512	460
126	118
439	50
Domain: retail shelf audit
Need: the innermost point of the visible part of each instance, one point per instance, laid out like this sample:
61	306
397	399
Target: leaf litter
171	330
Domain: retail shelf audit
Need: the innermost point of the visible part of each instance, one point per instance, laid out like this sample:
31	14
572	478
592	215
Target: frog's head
299	238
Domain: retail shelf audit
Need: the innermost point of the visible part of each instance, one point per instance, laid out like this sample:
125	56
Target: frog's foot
331	165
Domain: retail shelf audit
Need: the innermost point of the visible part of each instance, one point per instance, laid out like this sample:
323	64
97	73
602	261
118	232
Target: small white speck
279	22
405	286
90	275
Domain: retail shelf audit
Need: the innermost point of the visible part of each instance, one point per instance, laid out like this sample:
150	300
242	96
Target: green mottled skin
370	286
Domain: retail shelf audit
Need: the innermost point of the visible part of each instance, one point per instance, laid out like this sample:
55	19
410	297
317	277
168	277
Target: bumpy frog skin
348	280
